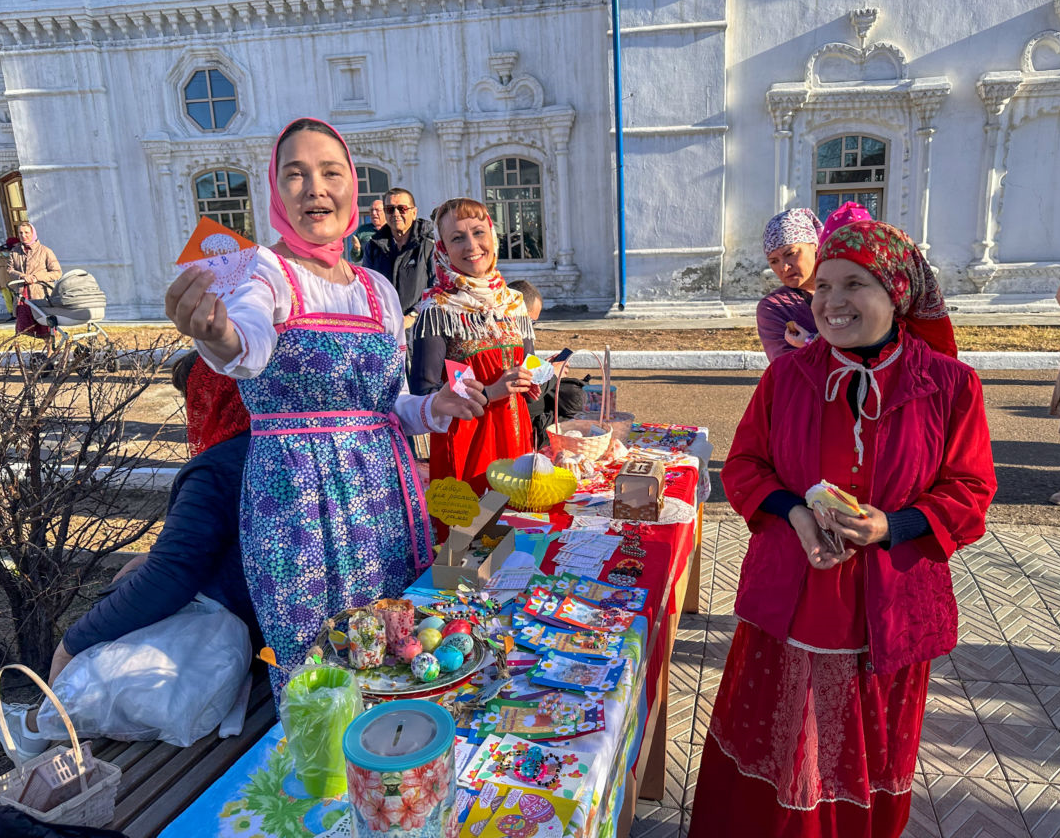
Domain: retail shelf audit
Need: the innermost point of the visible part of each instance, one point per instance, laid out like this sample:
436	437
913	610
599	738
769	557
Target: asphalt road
1025	438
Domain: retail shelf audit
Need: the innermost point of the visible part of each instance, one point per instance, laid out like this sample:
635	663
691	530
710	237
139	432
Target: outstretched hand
818	553
194	310
448	403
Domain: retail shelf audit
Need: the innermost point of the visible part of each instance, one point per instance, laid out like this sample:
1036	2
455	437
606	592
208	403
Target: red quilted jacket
932	451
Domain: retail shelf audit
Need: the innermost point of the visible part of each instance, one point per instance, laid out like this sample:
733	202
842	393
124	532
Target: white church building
124	121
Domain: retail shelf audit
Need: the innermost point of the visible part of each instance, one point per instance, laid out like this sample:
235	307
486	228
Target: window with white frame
850	168
372	184
512	193
210	99
224	196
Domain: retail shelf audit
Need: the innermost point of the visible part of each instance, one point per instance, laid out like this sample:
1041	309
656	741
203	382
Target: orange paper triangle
206	228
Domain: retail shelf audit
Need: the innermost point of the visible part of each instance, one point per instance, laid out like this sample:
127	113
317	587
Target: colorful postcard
232	258
578	612
555	715
570	673
610	596
458	374
506	812
589	645
540	768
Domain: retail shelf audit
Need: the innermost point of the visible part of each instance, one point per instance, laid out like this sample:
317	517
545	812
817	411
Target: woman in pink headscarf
332	513
33	263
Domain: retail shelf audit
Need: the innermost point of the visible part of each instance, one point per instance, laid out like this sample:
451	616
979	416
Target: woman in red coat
817	721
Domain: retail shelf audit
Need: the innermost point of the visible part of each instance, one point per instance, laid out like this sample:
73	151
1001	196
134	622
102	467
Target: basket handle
604	395
6	733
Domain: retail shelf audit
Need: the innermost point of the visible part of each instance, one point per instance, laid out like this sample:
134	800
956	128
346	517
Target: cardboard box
455	561
639	490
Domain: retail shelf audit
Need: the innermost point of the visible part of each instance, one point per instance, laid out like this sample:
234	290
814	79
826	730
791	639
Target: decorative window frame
899	110
206	58
341	106
239	170
1010	99
506	116
859	186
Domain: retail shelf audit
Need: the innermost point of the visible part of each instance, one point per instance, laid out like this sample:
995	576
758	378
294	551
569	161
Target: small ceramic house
639	490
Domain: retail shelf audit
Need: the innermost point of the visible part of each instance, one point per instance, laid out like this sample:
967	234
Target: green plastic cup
316	707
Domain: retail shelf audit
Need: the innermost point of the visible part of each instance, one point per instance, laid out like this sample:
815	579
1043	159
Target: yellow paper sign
452	502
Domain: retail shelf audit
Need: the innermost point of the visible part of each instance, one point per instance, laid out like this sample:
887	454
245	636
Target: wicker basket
92	805
590	447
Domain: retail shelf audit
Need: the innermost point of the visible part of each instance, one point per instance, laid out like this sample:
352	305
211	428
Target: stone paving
989	762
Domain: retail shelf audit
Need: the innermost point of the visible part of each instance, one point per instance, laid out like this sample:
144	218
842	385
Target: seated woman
473	317
790	245
198	548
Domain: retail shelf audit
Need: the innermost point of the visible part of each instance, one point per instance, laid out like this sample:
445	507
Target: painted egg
429	639
430	623
449	658
461	642
456	626
425	666
408	648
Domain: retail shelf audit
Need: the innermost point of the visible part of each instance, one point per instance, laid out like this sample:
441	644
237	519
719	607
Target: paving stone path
989	764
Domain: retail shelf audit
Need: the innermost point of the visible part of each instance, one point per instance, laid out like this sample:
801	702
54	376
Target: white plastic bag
174	680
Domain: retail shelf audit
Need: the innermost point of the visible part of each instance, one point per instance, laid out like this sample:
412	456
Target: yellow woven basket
533	494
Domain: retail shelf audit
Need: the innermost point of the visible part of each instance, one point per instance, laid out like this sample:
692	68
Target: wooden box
639	490
457	561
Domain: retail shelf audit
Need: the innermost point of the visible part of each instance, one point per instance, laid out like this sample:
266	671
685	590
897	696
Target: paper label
452	502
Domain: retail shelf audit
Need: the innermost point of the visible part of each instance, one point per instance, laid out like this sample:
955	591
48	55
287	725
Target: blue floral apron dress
332	513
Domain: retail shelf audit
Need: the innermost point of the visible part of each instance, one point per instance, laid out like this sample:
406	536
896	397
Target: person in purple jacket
197	550
790	245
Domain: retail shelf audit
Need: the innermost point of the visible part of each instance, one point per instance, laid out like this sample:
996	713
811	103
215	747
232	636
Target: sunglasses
392	209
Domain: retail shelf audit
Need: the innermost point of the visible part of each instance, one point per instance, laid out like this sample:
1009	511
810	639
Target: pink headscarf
34	229
848	213
329	253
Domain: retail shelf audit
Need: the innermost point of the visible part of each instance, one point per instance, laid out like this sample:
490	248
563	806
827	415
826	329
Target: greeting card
555	715
458	375
517	762
570	673
578	612
610	596
506	812
232	258
588	645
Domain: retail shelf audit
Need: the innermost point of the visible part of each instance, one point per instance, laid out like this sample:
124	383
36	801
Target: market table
256	791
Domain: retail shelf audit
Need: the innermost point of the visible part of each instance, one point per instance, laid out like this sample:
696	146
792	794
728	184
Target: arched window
210	99
372	184
13	202
850	168
224	196
512	190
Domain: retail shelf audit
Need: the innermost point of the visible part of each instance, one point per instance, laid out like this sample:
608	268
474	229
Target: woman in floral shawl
472	317
817	721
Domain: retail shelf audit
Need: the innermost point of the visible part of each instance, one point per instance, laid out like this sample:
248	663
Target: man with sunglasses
401	250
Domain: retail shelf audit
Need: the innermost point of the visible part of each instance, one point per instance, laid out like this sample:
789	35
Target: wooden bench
159	781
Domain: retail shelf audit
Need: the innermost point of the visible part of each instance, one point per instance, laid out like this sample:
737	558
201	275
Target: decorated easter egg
462	642
425	666
408	648
429	639
431	623
449	658
456	626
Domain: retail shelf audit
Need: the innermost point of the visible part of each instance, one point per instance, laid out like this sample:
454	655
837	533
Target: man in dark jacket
401	251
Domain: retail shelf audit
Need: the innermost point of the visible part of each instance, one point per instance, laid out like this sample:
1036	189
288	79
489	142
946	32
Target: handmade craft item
630	546
456	627
230	257
577	612
589	645
459	375
449	658
363	644
639	490
573	673
611	596
430	623
430	639
398	616
459	641
408	648
553	715
400	770
504	812
563	773
425	667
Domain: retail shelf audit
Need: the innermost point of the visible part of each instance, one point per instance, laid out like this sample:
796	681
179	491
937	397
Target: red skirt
808	745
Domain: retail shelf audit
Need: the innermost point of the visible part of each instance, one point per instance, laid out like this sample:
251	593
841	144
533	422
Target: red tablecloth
667	546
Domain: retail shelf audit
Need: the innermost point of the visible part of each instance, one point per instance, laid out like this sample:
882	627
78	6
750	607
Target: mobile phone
561	356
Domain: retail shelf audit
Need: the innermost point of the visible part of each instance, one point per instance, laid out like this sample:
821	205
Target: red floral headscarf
215	410
891	256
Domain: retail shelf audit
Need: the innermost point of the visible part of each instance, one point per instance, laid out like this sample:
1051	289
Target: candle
400	769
